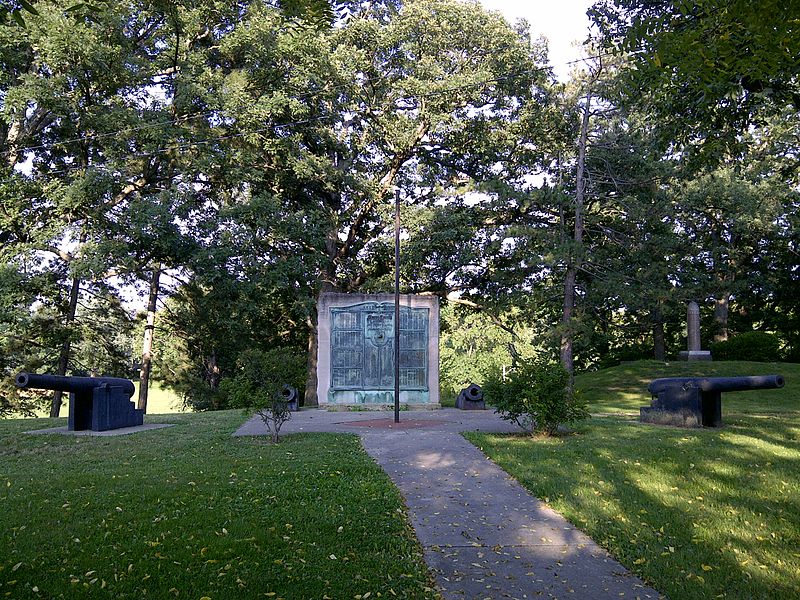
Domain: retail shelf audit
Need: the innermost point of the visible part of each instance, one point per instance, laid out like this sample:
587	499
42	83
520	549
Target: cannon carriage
95	403
697	401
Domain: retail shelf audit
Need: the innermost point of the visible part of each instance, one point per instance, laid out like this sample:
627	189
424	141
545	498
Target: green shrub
753	346
274	414
197	394
535	395
792	352
471	347
260	376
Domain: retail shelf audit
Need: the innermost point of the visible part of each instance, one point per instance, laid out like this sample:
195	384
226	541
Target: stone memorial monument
693	335
355	360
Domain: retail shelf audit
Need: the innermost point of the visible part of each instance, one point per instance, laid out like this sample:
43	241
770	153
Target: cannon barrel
471	398
473	392
291	397
718	384
289	393
72	385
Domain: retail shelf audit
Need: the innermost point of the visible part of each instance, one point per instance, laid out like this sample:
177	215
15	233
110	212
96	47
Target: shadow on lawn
697	512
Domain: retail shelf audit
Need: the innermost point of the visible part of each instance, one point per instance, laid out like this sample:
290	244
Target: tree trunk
63	358
721	306
659	343
12	139
576	254
212	377
326	281
310	396
567	355
147	341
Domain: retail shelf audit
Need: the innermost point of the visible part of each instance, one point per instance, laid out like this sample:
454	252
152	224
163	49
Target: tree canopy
231	161
725	68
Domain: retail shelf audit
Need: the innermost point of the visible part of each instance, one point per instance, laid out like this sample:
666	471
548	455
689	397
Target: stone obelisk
693	335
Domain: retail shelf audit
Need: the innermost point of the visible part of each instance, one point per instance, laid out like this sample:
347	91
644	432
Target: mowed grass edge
698	513
191	512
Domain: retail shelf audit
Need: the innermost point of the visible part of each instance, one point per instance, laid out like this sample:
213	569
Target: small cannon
291	397
95	403
697	401
471	398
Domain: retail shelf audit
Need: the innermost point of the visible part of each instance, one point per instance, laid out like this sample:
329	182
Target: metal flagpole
397	306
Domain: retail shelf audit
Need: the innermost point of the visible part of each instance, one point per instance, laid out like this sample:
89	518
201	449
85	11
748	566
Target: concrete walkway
483	535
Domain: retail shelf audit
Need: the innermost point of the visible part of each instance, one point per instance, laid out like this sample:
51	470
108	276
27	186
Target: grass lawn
698	513
191	512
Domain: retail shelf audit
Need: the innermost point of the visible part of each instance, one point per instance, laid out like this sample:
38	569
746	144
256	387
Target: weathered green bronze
362	353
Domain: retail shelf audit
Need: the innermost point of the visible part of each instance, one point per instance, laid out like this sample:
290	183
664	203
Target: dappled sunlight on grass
698	513
190	511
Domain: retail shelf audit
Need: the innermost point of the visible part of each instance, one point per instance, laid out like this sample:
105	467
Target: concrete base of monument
693	355
377	397
377	407
676	418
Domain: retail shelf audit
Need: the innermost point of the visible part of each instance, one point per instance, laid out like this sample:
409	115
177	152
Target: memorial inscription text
362	347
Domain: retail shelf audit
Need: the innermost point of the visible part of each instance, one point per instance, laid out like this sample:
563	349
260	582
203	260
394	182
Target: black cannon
96	403
697	401
471	398
291	397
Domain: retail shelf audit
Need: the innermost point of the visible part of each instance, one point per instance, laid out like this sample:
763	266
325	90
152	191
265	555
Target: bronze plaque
362	347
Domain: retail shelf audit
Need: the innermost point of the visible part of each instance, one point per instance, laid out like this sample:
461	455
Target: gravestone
355	359
693	335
